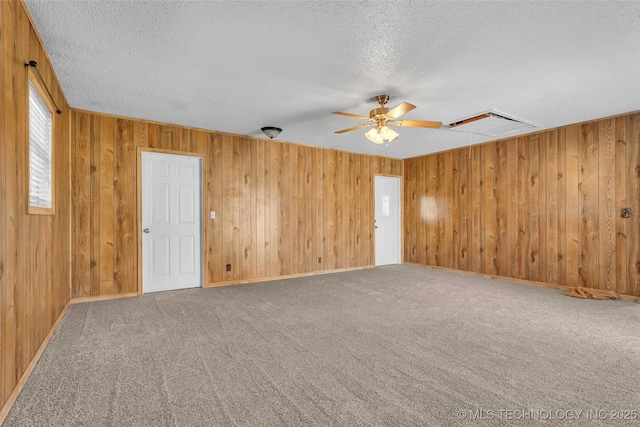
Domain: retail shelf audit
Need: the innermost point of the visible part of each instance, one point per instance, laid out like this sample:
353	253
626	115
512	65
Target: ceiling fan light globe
384	132
387	133
374	136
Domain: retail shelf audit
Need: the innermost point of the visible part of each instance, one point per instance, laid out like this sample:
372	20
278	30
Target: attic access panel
491	123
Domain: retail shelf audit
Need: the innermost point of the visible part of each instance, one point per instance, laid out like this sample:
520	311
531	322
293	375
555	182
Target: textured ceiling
235	66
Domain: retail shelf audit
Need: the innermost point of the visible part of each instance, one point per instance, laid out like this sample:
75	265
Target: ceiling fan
383	118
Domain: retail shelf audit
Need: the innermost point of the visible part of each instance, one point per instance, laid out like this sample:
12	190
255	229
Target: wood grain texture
572	215
588	270
551	261
561	237
35	250
633	202
543	207
532	208
464	206
501	193
607	204
488	213
281	209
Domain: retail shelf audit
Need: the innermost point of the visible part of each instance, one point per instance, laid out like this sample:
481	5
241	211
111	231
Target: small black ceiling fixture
271	131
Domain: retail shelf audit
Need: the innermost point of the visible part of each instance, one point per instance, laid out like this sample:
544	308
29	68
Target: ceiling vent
491	123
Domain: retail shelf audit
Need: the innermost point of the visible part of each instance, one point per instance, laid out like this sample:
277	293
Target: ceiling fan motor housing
376	112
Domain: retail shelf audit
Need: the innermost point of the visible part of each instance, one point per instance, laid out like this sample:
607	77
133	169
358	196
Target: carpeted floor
396	346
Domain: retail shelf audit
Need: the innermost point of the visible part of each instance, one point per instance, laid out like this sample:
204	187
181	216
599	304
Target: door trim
204	207
400	205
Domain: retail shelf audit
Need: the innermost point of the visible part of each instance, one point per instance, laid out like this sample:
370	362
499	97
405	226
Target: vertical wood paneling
294	217
35	250
418	238
285	210
474	234
550	193
455	211
106	220
23	224
318	209
513	211
281	209
523	218
532	208
542	207
260	208
94	173
368	211
464	209
607	204
274	202
562	206
444	208
542	210
633	202
237	243
501	182
228	203
441	204
246	267
588	269
339	210
329	210
431	212
210	146
351	208
124	208
82	205
621	125
305	210
573	209
488	210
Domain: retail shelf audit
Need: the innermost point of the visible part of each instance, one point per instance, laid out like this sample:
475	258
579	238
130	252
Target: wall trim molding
509	279
27	372
283	277
79	300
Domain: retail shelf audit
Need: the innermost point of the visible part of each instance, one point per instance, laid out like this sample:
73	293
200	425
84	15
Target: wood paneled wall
34	249
281	209
543	207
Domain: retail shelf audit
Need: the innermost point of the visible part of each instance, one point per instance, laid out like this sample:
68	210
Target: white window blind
40	150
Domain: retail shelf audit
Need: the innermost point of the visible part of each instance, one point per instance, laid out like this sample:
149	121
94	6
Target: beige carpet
396	346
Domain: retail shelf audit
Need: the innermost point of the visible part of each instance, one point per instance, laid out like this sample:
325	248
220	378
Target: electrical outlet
228	267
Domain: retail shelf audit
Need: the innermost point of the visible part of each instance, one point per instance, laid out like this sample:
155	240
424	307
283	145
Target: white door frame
400	215
204	207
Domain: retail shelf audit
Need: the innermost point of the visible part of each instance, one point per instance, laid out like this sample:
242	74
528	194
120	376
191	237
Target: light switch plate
213	214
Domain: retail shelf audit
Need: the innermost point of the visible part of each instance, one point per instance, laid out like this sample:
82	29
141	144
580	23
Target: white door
171	222
387	220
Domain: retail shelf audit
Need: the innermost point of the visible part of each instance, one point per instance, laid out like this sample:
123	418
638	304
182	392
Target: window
40	150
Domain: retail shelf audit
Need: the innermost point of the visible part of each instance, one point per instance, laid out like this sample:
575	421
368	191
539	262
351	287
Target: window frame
42	92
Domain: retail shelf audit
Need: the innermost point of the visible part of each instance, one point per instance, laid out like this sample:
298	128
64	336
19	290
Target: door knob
146	230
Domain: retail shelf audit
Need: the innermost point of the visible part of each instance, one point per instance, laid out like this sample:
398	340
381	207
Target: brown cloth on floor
580	292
